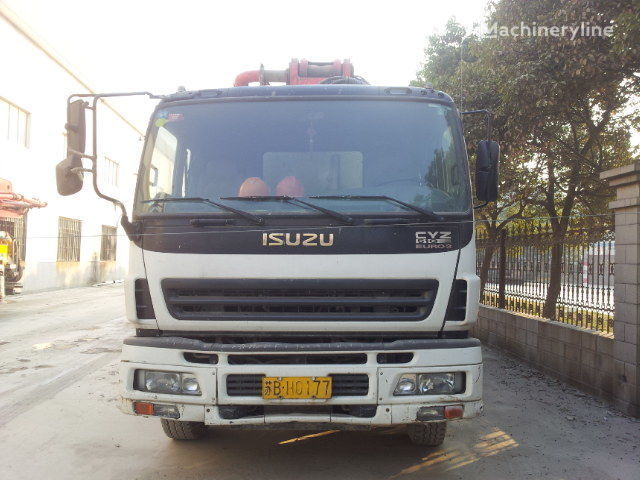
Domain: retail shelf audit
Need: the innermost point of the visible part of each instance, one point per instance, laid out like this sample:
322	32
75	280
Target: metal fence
519	272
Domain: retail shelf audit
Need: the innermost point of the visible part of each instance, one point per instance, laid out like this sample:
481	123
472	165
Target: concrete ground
59	420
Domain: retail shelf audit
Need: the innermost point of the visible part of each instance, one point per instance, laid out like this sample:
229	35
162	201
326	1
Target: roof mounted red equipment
300	72
14	205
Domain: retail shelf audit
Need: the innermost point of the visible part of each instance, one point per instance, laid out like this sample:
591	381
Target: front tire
183	430
427	434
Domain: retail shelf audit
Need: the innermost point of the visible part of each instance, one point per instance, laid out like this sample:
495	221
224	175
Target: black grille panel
344	385
299	359
350	384
244	385
144	307
295	300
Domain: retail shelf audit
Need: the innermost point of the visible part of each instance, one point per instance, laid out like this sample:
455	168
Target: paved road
58	419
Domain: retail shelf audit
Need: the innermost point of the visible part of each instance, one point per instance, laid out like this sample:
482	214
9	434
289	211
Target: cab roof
348	90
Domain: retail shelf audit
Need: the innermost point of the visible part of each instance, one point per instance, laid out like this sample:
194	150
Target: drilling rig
13	214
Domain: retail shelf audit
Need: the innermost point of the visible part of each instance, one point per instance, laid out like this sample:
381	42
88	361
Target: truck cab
302	256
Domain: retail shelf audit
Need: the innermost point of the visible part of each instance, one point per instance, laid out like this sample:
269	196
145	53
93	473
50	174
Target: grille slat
363	301
298	359
344	385
295	300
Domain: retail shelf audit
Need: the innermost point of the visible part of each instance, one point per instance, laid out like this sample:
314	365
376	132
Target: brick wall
580	357
626	351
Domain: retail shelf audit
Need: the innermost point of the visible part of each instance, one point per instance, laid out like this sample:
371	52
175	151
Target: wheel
427	434
183	430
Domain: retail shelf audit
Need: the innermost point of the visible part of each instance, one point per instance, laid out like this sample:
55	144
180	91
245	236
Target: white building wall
37	84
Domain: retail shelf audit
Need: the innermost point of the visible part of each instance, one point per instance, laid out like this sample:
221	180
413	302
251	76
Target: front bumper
384	408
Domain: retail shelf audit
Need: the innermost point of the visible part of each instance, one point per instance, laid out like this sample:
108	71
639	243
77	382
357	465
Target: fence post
626	327
502	272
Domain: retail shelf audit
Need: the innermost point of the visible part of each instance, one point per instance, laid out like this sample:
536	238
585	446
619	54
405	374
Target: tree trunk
555	279
489	250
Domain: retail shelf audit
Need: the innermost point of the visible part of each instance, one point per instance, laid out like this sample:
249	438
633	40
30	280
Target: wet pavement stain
100	350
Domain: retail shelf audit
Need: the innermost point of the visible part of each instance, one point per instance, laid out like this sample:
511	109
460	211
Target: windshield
328	152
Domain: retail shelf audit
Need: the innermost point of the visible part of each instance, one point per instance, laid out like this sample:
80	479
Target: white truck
301	256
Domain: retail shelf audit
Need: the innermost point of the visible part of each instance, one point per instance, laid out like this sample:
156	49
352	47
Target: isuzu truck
301	255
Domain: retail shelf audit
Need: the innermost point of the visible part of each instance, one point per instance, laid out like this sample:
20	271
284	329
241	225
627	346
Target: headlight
166	382
406	385
430	384
440	383
190	385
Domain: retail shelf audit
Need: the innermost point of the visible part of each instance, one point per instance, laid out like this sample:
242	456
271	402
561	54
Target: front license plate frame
297	388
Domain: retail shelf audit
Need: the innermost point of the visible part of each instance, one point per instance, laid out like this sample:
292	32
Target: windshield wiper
241	213
293	200
427	213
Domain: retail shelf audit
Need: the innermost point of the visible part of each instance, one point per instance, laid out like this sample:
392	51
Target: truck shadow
533	427
384	454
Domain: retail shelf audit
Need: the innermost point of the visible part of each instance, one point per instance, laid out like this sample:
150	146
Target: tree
564	100
459	63
559	104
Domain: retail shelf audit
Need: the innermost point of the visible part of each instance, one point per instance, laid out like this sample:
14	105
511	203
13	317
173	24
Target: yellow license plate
296	387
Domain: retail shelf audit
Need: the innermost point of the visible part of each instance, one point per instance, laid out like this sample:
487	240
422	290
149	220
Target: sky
119	45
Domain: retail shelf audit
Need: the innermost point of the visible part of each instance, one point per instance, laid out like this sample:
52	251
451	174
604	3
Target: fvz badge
434	240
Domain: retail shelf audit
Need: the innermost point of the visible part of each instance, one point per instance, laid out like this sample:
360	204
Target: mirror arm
130	228
475	207
80	154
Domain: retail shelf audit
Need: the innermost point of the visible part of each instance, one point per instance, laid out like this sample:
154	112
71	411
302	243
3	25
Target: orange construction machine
13	212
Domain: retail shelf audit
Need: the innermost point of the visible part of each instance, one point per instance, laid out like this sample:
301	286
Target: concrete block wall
607	366
580	357
626	329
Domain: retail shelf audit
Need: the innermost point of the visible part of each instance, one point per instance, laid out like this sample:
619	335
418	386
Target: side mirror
68	180
76	127
487	160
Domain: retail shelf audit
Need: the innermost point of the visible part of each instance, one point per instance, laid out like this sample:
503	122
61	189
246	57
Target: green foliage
460	64
561	104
